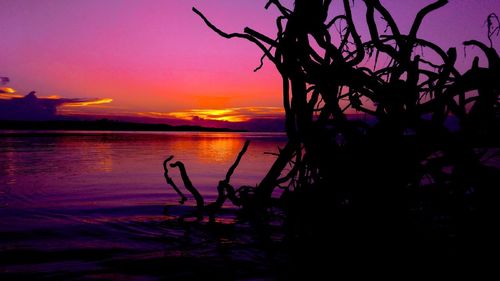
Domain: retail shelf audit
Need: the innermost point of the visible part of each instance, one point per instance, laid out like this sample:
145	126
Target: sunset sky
156	58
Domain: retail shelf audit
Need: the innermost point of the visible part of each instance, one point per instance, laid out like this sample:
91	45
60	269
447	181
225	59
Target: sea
83	205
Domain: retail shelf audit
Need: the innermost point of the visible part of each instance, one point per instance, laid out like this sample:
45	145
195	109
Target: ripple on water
91	206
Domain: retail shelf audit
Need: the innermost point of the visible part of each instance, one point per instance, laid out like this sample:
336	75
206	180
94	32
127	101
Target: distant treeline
100	125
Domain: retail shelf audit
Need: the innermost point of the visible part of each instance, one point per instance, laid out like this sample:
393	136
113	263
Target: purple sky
157	57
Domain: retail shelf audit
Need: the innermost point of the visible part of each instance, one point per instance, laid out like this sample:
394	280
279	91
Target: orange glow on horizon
53	97
236	114
9	96
7	90
228	115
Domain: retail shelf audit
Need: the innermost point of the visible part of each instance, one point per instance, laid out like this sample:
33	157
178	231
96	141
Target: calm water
89	205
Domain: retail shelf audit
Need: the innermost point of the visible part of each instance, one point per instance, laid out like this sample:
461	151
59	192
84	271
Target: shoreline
102	125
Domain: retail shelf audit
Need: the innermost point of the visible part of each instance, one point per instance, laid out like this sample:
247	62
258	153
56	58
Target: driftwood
401	95
225	189
393	173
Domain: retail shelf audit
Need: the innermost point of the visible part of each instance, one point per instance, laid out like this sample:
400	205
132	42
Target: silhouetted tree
402	171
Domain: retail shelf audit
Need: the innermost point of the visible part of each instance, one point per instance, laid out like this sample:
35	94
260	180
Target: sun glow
237	114
53	97
7	90
9	96
229	115
88	103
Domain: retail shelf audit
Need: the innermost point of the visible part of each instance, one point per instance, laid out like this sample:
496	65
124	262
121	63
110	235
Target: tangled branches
414	155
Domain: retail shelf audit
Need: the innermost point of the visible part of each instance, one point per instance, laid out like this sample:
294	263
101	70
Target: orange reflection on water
210	147
219	149
91	156
9	167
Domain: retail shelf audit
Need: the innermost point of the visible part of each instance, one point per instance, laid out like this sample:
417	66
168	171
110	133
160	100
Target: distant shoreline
103	125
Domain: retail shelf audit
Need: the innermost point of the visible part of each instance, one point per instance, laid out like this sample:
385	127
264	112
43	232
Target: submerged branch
189	186
226	190
170	181
237	161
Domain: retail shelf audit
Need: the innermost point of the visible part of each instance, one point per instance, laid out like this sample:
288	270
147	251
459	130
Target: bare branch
236	35
260	36
421	15
284	11
493	27
357	39
189	186
491	54
237	161
334	20
261	61
170	181
372	27
388	18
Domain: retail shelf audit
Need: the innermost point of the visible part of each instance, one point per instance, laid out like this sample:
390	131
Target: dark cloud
33	108
29	107
4	80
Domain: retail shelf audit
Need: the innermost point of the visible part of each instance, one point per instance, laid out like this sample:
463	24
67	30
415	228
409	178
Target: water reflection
91	154
64	194
8	168
208	148
121	168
